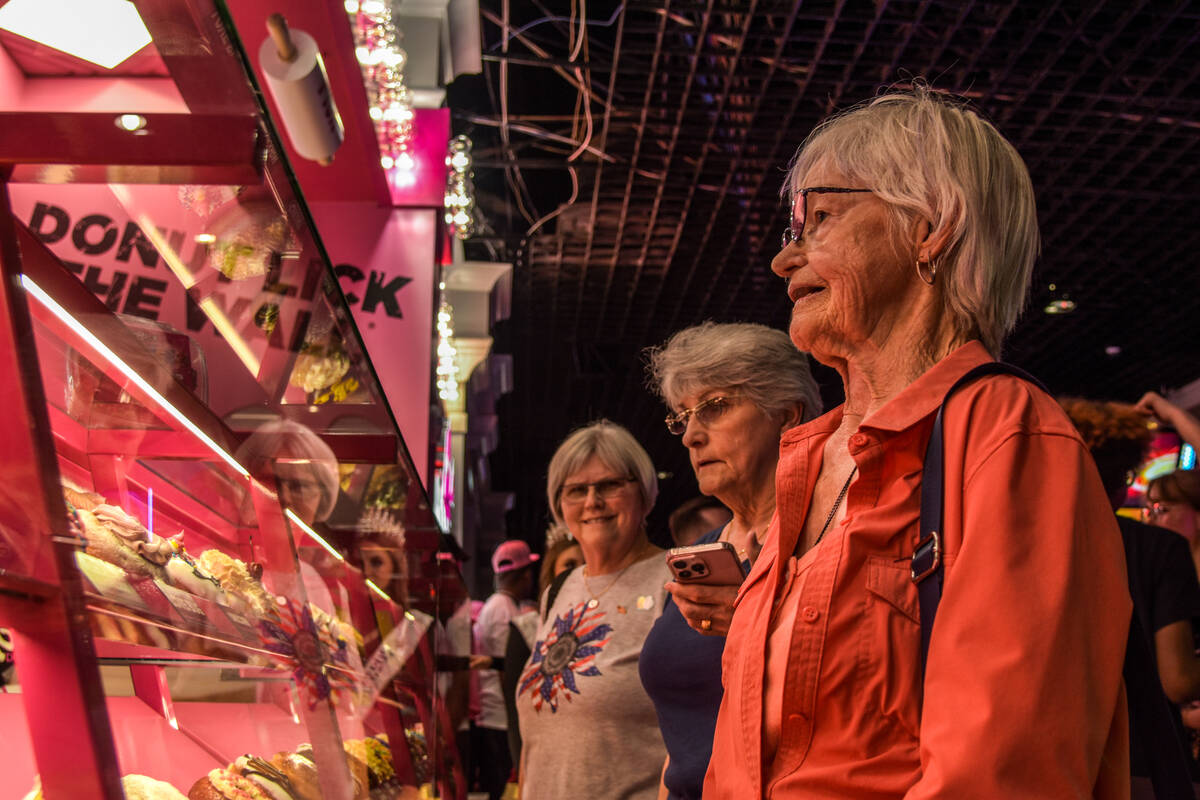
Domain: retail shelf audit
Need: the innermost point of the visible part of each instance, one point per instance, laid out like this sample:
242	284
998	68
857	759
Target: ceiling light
104	32
1113	350
1063	306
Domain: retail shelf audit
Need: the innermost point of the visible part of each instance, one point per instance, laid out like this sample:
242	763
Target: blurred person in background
907	259
1162	581
513	566
696	517
731	390
587	727
1173	502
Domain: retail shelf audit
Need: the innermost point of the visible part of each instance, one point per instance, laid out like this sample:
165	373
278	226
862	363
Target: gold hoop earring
932	271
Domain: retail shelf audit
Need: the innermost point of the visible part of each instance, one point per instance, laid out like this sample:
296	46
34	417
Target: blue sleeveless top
681	671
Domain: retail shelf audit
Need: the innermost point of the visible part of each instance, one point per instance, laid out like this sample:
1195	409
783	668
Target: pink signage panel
384	260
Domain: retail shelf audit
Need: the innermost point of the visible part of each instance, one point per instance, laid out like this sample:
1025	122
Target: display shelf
188	316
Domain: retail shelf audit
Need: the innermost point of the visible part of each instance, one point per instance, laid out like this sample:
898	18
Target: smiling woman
907	259
579	701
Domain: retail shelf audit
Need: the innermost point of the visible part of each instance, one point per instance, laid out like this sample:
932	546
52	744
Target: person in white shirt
513	563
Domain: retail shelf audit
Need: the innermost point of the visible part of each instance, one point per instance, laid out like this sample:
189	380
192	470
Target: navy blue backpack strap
926	563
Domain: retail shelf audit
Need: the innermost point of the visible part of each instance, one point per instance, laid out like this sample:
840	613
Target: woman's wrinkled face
735	453
570	558
846	277
609	516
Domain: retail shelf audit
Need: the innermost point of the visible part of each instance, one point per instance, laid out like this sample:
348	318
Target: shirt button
858	440
810	614
797	718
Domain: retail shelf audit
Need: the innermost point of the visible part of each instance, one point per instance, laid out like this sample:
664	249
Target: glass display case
217	561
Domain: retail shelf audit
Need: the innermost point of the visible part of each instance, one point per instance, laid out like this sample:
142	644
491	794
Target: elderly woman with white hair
907	258
587	727
732	389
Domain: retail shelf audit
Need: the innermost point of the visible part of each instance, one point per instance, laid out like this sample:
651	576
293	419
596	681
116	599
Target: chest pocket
889	642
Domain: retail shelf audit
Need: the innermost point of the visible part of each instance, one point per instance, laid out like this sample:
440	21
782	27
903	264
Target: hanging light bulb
459	196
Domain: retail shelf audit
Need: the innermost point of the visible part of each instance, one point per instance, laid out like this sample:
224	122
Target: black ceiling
696	109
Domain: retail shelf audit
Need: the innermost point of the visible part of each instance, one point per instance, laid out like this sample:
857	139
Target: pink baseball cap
512	554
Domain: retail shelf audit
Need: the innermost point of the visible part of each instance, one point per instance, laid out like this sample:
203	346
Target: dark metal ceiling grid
708	100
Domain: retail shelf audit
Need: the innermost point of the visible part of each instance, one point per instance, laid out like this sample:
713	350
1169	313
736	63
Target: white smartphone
715	563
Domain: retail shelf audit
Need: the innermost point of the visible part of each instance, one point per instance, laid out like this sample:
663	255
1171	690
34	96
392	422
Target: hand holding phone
710	564
707	578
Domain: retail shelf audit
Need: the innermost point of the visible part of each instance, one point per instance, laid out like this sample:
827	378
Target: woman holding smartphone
732	390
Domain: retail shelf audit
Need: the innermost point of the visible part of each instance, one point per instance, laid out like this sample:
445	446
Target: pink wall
385	261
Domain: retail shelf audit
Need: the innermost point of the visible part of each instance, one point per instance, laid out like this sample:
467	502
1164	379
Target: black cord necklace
836	504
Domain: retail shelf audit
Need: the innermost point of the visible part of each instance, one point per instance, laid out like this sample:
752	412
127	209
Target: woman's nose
693	435
784	262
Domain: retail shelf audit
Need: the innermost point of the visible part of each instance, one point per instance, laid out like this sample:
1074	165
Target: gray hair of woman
612	444
284	441
757	362
930	157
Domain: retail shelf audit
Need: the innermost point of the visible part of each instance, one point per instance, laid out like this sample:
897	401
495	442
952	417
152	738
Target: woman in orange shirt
907	257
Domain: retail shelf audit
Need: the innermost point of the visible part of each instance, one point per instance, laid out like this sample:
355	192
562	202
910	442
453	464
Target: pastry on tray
116	537
223	783
244	590
381	775
141	787
274	783
136	787
184	572
301	772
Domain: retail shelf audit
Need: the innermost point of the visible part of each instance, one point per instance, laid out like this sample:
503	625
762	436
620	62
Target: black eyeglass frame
789	234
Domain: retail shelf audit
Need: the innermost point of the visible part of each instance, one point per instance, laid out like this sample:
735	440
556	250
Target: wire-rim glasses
706	413
795	229
575	493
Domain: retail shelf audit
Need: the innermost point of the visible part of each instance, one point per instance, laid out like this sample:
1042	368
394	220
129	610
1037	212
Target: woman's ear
792	417
930	243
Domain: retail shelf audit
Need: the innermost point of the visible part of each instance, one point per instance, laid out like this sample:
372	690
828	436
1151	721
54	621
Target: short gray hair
758	362
929	156
612	444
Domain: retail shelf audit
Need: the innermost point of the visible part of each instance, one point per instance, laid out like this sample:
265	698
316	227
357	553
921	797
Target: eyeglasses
706	413
795	229
605	489
298	487
1153	511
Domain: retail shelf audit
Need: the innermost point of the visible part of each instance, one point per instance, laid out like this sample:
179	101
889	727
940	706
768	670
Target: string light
447	369
382	61
460	191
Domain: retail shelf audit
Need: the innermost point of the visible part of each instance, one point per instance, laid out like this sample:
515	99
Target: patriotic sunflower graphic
567	652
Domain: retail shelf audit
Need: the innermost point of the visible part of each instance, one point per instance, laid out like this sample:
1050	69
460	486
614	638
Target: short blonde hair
612	444
931	157
754	360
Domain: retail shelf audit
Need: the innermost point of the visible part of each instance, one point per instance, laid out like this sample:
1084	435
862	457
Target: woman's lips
800	292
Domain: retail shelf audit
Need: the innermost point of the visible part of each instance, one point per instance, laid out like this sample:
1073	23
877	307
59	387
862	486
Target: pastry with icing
245	592
225	784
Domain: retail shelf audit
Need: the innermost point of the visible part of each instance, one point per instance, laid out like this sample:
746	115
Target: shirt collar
923	396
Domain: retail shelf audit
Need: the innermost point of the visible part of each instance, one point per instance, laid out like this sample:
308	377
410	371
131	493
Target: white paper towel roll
301	91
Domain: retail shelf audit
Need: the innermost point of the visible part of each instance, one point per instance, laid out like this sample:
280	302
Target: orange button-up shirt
1022	695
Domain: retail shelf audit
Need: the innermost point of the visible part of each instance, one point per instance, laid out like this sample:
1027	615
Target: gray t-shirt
588	728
